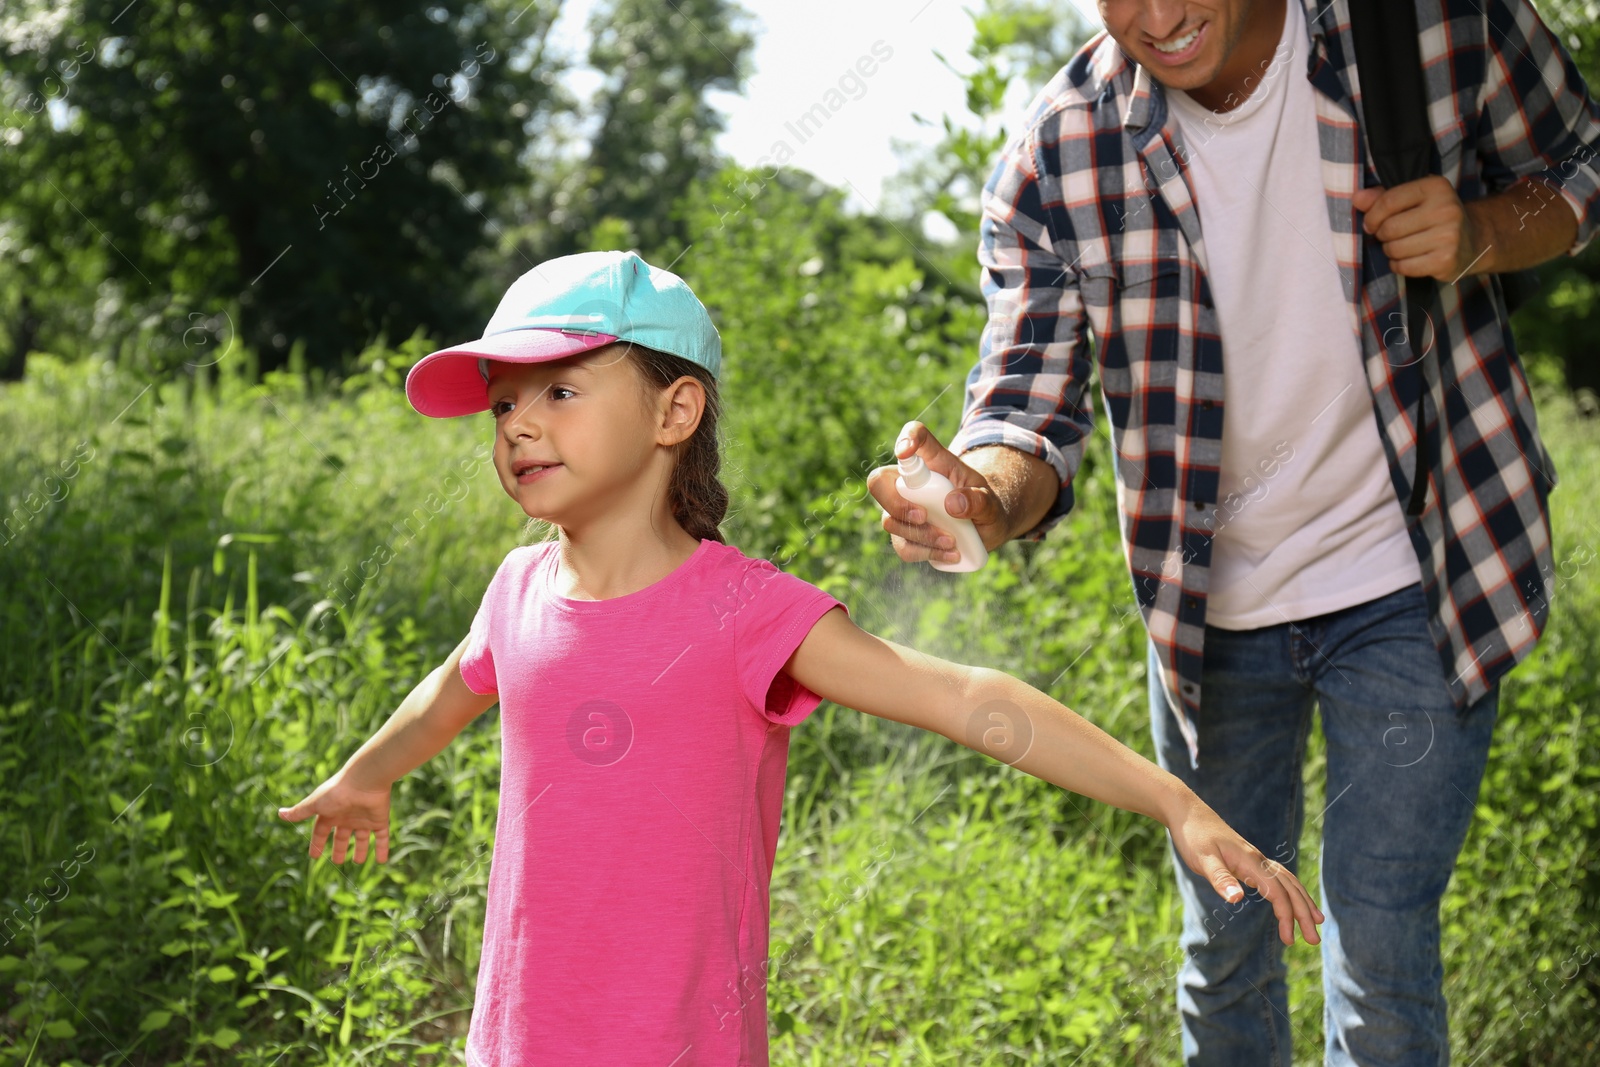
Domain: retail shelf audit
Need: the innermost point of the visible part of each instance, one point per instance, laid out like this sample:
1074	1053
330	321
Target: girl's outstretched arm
1004	717
355	799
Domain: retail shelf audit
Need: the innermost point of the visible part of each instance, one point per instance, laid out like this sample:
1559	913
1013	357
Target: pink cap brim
447	383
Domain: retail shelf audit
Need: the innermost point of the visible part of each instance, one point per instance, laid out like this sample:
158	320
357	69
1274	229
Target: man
1194	189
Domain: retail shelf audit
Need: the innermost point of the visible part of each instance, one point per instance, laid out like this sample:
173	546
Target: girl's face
581	436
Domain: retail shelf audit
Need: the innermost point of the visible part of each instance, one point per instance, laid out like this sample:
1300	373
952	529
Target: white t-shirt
1307	521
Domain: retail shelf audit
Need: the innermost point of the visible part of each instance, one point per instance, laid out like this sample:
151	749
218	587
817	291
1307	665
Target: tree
324	167
650	131
1017	46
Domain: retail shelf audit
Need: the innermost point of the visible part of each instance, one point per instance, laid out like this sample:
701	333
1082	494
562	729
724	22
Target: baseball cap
560	308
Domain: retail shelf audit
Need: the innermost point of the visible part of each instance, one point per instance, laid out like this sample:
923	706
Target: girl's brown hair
698	498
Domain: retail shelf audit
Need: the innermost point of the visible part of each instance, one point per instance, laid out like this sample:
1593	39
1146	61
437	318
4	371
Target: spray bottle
928	488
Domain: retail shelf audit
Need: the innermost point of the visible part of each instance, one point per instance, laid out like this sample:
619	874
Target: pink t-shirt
644	744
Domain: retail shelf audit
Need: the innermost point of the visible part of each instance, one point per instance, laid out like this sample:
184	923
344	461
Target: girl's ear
682	404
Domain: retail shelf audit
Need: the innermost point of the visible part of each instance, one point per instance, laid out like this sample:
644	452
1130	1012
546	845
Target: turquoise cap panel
615	293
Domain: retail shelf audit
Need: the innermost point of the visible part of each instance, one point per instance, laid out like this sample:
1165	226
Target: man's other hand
1425	229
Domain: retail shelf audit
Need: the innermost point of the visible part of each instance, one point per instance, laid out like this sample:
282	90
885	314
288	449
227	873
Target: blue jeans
1403	769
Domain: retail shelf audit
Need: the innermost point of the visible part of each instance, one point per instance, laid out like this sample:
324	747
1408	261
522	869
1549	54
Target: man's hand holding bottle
915	540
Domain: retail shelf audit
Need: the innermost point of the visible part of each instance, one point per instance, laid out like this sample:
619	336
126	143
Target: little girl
648	675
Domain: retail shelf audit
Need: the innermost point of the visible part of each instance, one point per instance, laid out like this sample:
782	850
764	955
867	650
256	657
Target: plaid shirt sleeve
1538	117
1029	386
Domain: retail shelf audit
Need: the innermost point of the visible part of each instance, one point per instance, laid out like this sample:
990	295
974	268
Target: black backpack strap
1393	93
1395	118
1394	112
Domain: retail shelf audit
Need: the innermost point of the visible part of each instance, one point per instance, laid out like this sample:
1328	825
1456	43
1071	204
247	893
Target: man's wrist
1024	486
1482	236
1519	227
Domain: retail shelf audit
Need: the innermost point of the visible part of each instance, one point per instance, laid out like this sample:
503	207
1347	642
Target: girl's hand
340	806
1211	849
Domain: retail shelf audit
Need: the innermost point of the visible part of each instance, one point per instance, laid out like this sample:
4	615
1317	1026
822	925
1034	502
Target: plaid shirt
1089	220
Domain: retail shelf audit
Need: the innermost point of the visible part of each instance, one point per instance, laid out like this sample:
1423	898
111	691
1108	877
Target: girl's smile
531	472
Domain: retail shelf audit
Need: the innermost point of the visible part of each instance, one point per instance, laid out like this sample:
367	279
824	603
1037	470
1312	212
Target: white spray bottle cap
914	471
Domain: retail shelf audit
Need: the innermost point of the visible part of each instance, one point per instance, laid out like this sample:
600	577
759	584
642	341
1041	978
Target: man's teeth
1181	43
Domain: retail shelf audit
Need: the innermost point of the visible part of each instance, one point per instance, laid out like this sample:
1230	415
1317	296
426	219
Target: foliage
656	126
607	171
794	282
311	171
1017	47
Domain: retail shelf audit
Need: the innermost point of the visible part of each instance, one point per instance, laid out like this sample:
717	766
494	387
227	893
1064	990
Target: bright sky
803	49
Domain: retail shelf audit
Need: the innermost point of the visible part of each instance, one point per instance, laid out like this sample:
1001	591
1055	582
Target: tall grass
237	584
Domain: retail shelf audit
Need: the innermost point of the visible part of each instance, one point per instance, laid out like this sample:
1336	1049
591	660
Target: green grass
191	639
